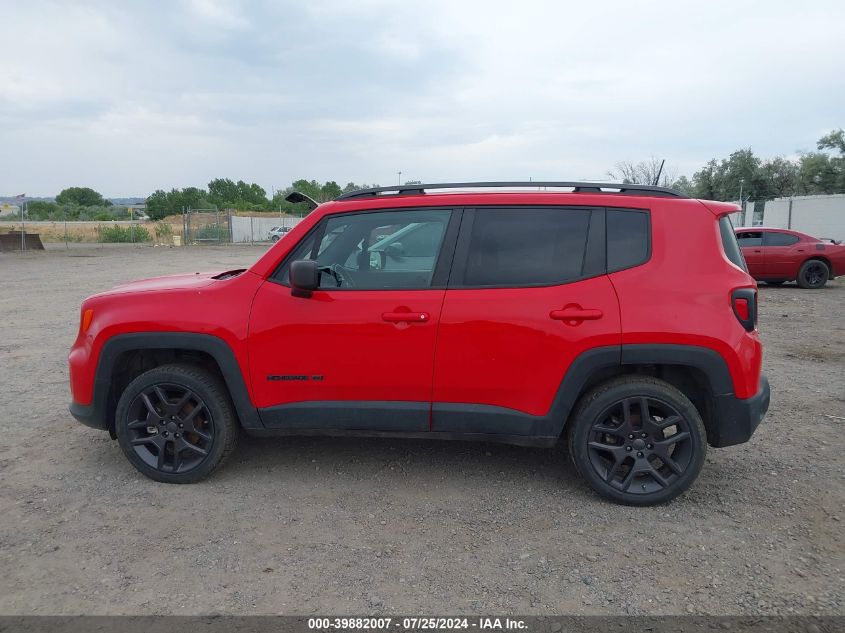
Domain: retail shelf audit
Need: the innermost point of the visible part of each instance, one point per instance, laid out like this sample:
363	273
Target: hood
186	281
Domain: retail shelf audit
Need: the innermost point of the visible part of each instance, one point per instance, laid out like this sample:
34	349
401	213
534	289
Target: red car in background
779	255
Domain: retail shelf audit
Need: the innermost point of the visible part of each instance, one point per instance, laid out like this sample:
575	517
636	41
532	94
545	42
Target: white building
819	216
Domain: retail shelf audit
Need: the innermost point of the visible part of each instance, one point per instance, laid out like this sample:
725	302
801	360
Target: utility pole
23	229
742	182
400	176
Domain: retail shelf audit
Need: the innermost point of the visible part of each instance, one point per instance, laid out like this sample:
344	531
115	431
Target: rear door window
527	246
776	238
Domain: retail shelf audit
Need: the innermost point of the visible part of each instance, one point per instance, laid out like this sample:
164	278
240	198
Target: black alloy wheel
640	445
176	423
637	440
172	429
813	274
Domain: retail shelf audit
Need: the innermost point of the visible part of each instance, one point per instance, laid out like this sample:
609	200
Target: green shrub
117	233
212	232
163	231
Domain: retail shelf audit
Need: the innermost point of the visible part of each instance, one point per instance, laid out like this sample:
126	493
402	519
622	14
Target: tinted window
529	246
376	251
627	239
773	238
729	243
749	238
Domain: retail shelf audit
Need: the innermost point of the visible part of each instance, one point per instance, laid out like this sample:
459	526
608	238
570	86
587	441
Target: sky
128	97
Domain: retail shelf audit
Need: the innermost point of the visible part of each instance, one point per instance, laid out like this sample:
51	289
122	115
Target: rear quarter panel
682	294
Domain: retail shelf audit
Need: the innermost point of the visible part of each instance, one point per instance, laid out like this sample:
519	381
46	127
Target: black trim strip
707	360
395	416
732	421
101	411
516	440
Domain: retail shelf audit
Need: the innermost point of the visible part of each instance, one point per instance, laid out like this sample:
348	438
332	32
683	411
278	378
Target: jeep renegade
619	318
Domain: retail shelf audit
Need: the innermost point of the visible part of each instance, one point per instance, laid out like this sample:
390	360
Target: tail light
744	304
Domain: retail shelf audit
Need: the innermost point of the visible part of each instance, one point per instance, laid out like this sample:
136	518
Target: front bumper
735	420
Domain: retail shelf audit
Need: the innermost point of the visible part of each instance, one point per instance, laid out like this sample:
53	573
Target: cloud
129	97
219	14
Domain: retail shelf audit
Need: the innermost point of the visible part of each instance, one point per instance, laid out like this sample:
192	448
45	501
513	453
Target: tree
329	191
222	191
834	140
819	173
162	203
646	172
726	179
81	196
780	177
684	185
351	186
226	193
191	198
40	210
704	181
158	205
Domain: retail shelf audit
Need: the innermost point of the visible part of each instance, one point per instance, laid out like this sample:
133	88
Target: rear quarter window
628	239
729	243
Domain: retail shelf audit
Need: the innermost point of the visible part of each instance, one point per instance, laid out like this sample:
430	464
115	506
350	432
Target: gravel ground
309	525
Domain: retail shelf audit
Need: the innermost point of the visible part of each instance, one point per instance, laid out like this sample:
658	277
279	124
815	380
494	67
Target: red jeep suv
618	317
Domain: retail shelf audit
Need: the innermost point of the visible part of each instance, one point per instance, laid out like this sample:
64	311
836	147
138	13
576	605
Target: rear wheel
814	274
637	440
176	423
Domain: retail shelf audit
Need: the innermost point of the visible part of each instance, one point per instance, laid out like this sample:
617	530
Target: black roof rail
577	187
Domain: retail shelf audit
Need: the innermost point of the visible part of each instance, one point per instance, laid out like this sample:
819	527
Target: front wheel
637	440
176	423
813	274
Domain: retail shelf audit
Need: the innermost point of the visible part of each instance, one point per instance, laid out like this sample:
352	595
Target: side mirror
304	277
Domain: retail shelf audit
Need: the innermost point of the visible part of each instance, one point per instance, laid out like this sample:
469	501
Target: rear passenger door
527	294
780	256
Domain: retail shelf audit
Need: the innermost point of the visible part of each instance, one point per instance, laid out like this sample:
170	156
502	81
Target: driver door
359	353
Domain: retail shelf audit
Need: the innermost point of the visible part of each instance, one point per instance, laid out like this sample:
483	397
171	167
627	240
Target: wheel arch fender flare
594	366
209	344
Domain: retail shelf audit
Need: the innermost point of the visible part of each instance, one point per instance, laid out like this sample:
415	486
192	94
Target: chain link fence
195	227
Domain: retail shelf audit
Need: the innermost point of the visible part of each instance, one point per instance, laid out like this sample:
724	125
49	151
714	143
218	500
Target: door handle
575	314
405	317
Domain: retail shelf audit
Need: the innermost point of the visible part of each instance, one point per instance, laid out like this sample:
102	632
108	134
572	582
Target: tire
176	423
813	274
274	239
617	461
776	282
